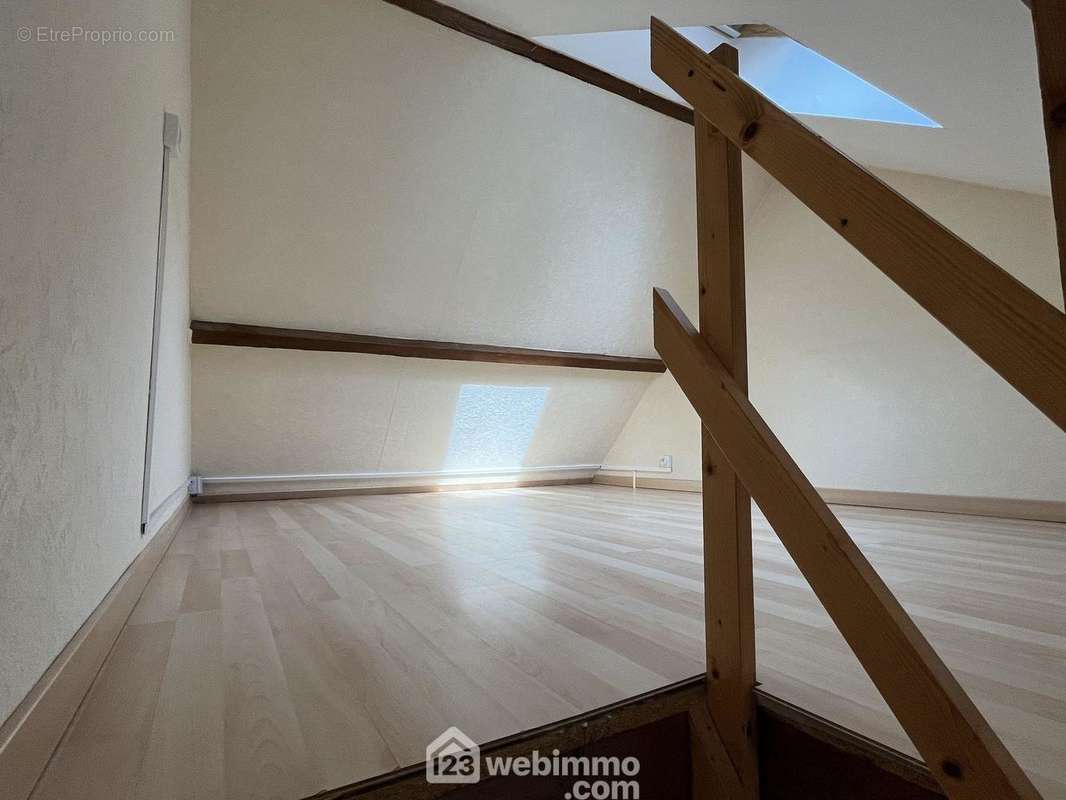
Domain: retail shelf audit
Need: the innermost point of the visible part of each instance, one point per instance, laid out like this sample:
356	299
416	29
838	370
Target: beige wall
864	388
278	412
80	161
361	169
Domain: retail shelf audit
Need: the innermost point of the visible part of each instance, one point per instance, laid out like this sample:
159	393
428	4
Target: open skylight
795	77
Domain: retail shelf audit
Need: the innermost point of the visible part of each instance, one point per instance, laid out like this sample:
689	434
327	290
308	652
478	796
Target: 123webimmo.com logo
453	757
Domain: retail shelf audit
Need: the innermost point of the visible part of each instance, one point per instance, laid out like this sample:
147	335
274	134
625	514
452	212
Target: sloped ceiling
360	168
970	64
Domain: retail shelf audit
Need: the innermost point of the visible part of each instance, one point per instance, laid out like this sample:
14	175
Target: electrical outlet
196	485
666	462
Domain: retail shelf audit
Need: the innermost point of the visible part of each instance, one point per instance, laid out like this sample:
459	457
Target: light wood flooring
283	648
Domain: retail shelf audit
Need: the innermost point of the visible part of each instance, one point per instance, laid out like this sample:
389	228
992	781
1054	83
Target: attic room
500	399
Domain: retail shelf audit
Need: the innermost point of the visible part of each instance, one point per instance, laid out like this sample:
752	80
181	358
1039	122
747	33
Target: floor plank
283	648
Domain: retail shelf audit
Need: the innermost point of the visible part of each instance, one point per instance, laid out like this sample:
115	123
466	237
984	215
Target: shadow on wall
493	426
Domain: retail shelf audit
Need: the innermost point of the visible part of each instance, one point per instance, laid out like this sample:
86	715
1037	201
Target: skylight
795	77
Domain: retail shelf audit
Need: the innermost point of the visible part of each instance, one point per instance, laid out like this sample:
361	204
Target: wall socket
666	462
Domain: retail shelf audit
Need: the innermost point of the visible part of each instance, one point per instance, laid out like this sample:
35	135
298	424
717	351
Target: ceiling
969	64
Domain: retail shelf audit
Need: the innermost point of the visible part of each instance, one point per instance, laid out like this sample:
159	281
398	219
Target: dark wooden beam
236	335
1049	22
527	48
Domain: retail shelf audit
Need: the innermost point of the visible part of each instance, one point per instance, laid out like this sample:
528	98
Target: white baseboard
649	482
1002	507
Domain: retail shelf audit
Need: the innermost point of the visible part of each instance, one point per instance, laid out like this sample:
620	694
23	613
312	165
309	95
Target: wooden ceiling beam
504	39
1049	22
238	335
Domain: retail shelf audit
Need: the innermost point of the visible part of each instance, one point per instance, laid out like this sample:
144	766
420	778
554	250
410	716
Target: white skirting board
1002	507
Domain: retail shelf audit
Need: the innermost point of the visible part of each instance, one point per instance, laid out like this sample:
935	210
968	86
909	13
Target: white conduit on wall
444	473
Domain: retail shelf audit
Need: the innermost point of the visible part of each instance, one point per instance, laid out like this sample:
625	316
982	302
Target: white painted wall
271	412
863	387
81	133
359	168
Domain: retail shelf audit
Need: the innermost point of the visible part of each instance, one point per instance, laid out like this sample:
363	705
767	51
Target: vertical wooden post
1049	22
730	616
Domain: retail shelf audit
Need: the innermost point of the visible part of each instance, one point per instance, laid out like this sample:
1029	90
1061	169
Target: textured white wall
81	128
359	168
864	388
270	412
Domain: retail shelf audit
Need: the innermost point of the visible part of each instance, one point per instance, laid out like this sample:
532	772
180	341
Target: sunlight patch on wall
494	426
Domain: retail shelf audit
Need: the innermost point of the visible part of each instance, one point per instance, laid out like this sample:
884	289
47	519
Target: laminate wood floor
283	648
